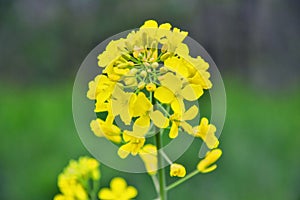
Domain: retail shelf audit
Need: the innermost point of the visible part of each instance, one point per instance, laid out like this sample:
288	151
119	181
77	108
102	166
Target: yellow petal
188	93
118	185
173	131
177	65
182	49
211	168
141	105
165	26
106	193
177	105
164	95
187	127
130	193
191	113
141	126
124	150
159	119
211	157
149	156
149	24
95	127
171	82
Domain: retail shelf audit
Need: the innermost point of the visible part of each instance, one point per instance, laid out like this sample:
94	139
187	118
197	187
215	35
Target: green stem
161	170
187	177
163	109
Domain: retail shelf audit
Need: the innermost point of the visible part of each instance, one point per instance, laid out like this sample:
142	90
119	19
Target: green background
255	44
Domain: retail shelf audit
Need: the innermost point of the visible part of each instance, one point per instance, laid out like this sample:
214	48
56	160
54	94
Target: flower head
206	132
149	80
118	191
73	180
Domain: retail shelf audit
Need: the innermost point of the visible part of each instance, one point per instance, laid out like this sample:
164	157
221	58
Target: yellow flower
112	51
173	92
73	180
144	110
122	104
207	164
206	132
93	86
149	156
118	191
151	87
133	145
177	170
106	129
179	120
63	197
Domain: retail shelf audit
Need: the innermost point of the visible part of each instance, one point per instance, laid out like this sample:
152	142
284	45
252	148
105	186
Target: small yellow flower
105	129
133	145
144	110
151	87
118	191
173	92
177	170
206	132
207	164
149	156
179	120
112	51
122	104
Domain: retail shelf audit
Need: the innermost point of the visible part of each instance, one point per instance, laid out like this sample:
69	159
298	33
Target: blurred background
254	43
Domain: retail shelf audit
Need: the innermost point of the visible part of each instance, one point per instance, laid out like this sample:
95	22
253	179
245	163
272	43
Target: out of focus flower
118	191
74	180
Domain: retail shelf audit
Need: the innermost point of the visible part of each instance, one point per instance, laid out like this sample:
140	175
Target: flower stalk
161	169
182	180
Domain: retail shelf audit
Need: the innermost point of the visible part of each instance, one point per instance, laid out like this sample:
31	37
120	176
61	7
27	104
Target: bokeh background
254	43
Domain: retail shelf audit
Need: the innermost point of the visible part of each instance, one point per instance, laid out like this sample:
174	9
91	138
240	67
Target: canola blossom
147	78
145	97
118	190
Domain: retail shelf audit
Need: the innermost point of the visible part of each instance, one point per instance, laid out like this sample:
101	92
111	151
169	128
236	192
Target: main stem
161	170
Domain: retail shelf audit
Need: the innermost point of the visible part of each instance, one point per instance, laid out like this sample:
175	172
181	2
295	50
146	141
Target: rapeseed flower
206	132
74	180
119	190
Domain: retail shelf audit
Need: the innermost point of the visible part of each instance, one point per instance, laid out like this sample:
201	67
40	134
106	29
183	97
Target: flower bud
163	69
146	64
131	64
143	73
155	65
151	87
141	85
133	71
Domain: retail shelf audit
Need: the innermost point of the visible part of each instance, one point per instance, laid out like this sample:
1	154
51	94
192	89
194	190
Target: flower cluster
74	182
150	82
147	78
80	181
